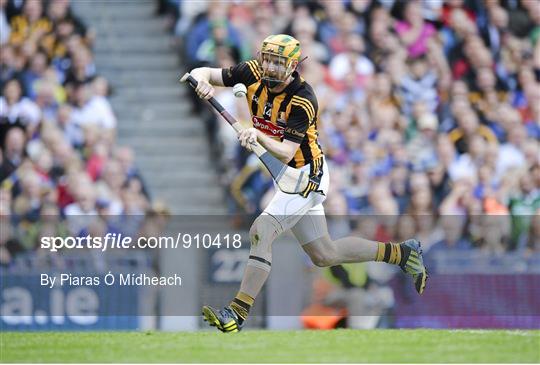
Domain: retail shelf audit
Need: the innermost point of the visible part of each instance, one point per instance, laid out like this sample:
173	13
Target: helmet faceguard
278	58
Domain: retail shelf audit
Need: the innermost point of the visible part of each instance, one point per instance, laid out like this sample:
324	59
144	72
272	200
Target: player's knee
254	236
264	229
261	234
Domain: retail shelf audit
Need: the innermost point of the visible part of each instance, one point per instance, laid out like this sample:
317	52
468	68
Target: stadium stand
427	108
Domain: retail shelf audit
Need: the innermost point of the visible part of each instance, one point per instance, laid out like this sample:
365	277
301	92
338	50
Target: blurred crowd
427	110
61	170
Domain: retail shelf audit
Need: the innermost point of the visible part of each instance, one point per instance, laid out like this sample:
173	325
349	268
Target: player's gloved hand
247	137
204	90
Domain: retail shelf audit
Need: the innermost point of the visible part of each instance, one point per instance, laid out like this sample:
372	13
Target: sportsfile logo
267	127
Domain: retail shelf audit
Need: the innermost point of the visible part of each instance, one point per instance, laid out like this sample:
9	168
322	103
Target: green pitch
382	346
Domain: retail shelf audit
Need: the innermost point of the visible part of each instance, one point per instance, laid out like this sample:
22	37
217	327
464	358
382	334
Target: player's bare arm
284	151
207	78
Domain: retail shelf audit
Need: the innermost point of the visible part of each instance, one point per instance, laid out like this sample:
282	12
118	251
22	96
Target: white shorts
303	216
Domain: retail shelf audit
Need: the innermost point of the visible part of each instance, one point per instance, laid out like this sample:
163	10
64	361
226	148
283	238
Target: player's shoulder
305	95
252	66
246	72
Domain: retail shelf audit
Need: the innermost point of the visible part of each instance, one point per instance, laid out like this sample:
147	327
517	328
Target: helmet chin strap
271	83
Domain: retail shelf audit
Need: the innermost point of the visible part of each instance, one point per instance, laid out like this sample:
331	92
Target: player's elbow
285	159
287	154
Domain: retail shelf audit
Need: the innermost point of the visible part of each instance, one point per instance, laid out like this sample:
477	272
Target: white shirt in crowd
509	157
25	109
96	111
5	30
340	66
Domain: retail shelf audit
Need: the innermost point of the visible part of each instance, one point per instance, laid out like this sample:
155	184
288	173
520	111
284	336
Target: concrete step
129	130
194	195
123	77
182	209
203	203
151	119
127	25
134	47
162	162
184	175
152	90
161	95
156	164
186	179
129	9
140	38
162	152
159	98
165	109
166	145
141	62
139	132
153	115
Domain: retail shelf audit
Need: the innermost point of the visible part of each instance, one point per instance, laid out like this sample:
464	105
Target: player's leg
312	233
263	232
282	213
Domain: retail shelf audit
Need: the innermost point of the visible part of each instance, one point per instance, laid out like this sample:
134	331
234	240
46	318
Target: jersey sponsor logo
294	132
267	127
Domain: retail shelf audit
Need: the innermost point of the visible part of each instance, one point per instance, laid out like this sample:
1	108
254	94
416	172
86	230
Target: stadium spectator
8	65
13	153
18	109
531	240
31	26
208	32
82	68
49	225
523	203
126	157
413	30
90	109
468	126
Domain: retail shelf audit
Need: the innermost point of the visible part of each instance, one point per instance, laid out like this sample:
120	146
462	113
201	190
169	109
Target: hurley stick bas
288	179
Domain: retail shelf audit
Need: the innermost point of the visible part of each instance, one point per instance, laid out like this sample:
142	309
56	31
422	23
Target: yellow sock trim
389	252
395	254
380	251
398	254
241	304
245	298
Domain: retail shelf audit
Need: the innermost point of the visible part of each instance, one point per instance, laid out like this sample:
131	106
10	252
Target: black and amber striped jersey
291	114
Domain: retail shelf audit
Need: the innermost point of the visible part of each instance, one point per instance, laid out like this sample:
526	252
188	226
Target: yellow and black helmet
279	57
